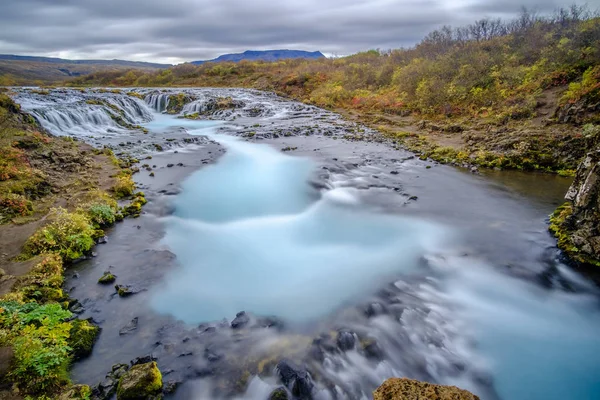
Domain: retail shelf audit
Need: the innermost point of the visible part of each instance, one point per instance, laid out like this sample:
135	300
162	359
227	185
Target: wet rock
394	172
125	290
107	388
296	379
345	340
373	351
103	240
211	355
270	322
107	278
408	389
374	309
278	394
171	386
143	360
76	307
241	319
170	165
130	327
141	382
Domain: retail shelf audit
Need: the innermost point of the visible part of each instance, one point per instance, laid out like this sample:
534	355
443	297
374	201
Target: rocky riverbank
576	223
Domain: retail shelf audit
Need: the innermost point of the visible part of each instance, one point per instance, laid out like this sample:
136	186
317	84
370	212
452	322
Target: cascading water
85	114
331	244
158	101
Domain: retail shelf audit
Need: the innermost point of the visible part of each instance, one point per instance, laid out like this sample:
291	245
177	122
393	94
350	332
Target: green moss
140	382
176	102
107	278
82	337
124	186
134	208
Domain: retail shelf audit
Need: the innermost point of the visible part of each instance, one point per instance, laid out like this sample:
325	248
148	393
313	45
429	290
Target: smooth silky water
251	233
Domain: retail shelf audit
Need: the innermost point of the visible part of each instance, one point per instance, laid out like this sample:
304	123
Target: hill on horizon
16	69
263	55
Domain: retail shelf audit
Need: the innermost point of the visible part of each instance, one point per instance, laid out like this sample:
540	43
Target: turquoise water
250	234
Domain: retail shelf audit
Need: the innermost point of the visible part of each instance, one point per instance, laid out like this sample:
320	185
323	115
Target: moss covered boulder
142	381
82	337
408	389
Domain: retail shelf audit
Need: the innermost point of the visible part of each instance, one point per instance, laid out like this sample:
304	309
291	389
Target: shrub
39	336
69	234
124	186
101	214
44	282
12	205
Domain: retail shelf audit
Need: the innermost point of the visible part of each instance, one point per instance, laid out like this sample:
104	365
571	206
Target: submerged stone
130	327
408	389
142	381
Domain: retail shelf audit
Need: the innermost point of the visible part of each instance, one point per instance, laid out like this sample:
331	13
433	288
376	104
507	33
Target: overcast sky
173	31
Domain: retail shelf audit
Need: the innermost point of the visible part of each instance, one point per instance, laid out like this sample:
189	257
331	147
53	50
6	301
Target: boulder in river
142	381
107	278
82	336
408	389
576	223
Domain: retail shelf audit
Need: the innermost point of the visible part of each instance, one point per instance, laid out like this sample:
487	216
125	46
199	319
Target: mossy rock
76	392
142	381
83	335
107	278
408	389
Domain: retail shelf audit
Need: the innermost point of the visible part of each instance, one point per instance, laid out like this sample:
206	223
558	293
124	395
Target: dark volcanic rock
345	340
241	319
296	379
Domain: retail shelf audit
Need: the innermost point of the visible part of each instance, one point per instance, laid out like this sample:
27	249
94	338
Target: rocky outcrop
408	389
576	223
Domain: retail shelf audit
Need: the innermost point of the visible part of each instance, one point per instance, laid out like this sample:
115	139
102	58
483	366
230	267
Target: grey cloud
185	30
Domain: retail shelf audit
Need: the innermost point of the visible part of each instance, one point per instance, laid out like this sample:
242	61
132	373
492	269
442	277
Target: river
352	260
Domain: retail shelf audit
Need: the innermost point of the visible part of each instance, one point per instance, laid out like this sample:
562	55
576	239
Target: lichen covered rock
576	223
408	389
142	381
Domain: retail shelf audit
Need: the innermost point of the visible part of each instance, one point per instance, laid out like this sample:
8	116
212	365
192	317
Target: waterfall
158	101
86	113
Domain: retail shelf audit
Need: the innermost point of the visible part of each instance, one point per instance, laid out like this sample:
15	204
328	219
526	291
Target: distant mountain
17	70
124	63
266	55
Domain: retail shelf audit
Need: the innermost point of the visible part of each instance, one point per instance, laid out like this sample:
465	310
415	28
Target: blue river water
251	234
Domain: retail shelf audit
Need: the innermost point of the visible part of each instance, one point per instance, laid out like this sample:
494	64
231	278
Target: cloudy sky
174	31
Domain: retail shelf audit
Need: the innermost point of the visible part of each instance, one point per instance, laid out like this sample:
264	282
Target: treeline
490	68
